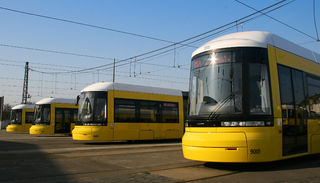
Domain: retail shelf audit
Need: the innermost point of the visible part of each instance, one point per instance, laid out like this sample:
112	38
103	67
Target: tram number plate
255	151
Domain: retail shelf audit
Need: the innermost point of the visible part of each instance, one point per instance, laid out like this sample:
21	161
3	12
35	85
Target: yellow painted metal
23	127
41	129
15	128
50	129
133	131
92	133
252	144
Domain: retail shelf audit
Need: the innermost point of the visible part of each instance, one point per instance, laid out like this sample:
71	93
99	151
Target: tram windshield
16	117
42	114
92	108
230	82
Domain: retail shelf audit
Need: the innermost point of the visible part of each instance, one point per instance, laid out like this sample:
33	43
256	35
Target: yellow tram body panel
115	130
292	134
25	122
238	144
15	128
41	129
52	126
92	133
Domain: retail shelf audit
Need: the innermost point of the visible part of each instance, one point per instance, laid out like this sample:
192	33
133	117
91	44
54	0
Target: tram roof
23	106
56	100
105	86
257	39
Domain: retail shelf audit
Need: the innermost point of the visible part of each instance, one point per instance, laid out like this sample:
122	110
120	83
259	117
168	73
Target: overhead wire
55	51
314	19
178	43
281	22
88	25
229	26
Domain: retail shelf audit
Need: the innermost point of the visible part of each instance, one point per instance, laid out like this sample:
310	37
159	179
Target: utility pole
114	70
25	84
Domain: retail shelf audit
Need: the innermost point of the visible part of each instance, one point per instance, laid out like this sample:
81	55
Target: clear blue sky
172	20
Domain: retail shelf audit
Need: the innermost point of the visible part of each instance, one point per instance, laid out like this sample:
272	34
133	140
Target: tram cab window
92	108
16	117
259	89
42	114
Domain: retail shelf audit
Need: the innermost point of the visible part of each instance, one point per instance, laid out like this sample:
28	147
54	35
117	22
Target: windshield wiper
213	115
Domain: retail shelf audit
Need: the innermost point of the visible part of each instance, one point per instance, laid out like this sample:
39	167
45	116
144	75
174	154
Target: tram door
294	113
62	120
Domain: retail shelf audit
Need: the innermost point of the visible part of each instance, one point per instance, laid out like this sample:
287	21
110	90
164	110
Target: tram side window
128	110
124	110
74	117
29	117
148	110
314	96
292	93
170	113
299	94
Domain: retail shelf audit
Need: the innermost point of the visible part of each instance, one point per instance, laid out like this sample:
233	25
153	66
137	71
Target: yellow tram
254	97
115	111
54	116
21	118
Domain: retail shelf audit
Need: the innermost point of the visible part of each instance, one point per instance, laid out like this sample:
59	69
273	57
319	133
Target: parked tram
254	97
115	111
21	118
54	116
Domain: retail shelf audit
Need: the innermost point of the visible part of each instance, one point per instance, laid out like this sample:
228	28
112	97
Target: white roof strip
56	100
23	106
105	86
257	39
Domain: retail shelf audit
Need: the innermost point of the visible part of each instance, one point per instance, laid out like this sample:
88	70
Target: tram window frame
158	109
304	105
122	105
31	115
313	84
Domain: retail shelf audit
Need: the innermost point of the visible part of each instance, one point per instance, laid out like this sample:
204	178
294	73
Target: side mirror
78	98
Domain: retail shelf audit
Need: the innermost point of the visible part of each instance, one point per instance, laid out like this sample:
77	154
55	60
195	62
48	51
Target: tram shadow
17	164
310	161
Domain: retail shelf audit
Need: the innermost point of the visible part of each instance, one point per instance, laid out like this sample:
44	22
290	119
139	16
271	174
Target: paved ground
25	158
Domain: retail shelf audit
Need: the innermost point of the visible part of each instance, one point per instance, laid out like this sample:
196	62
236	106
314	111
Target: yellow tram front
252	99
21	118
54	116
118	111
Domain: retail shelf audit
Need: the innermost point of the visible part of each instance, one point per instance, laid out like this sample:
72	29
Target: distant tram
115	111
21	118
254	97
54	116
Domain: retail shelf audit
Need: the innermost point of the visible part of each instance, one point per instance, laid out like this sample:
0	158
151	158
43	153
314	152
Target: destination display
206	60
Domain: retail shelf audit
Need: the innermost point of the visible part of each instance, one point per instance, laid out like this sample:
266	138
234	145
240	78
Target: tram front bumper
40	129
91	133
15	128
215	147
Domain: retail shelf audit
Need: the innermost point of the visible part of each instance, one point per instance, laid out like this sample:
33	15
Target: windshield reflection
216	87
93	108
231	82
16	117
42	114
